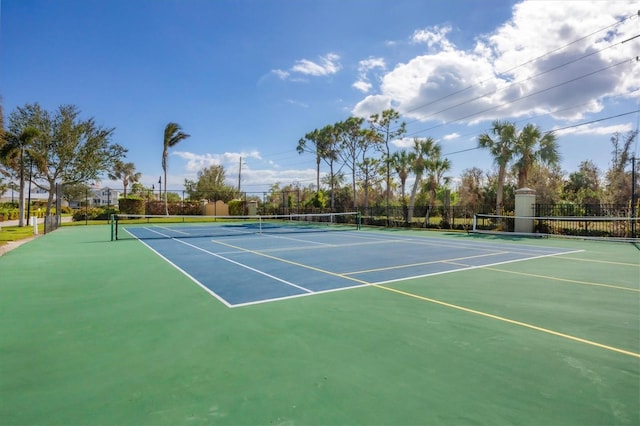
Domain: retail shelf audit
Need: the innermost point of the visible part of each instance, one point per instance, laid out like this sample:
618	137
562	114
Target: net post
475	221
358	221
112	220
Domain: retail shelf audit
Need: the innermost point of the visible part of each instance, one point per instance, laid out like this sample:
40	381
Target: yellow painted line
410	265
510	321
438	302
564	279
290	262
598	261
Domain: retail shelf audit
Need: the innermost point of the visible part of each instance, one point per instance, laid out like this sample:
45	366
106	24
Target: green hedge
93	213
132	205
237	208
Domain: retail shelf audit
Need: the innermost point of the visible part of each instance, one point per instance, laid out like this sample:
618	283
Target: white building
98	197
103	197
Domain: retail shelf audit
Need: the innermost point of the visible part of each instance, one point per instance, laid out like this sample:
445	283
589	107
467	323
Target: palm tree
125	172
13	151
173	134
532	147
436	168
401	162
422	150
501	147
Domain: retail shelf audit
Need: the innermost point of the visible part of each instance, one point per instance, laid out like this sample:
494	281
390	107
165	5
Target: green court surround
100	332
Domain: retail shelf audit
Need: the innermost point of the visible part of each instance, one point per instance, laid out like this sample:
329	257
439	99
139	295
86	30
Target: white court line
310	292
473	267
236	231
298	240
244	266
299	248
192	278
473	245
373	284
227	260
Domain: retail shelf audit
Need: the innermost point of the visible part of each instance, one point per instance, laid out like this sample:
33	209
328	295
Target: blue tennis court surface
248	269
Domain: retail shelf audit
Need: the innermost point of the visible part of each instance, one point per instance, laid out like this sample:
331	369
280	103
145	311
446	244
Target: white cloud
596	130
257	179
197	162
403	143
451	136
372	104
365	67
433	37
369	64
282	75
500	77
327	65
257	173
363	86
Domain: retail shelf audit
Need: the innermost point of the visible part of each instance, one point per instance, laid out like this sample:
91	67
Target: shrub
94	213
237	208
131	205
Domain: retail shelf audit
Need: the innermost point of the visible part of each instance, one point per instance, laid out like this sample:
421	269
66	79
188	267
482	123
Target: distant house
98	197
104	197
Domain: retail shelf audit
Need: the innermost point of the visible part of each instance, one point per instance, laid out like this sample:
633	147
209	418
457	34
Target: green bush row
13	213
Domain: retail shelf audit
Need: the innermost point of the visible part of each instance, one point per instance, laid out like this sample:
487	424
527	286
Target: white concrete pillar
525	207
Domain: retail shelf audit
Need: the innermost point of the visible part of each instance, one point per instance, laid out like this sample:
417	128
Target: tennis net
130	226
567	226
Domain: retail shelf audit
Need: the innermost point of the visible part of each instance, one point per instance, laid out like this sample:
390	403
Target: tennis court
349	327
243	266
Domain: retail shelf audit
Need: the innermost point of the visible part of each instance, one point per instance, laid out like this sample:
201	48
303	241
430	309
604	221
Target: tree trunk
333	197
21	201
499	189
427	216
412	198
318	174
166	204
52	192
353	180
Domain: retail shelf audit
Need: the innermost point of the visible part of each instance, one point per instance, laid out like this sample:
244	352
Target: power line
526	63
561	128
533	117
617	23
521	81
521	98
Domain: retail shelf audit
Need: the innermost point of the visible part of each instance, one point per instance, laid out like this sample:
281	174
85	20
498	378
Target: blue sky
249	78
